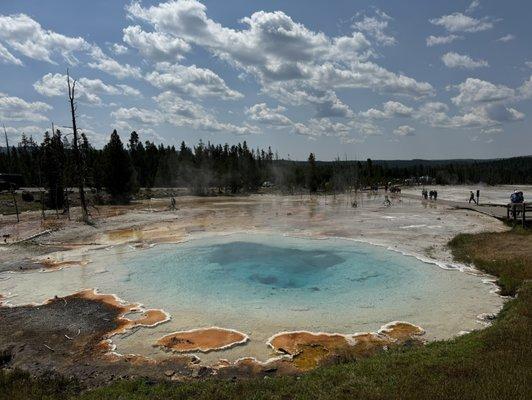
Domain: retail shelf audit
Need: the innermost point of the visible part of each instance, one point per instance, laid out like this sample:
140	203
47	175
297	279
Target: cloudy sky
379	79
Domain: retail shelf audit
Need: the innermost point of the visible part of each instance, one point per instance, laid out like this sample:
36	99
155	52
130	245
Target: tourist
516	198
435	195
472	198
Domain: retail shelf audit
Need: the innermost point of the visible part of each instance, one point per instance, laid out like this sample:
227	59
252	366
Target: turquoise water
274	272
261	284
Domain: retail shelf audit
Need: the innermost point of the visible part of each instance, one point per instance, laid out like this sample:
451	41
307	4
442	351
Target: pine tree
119	175
312	174
53	166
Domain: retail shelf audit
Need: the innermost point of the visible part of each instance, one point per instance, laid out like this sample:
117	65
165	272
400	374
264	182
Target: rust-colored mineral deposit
204	340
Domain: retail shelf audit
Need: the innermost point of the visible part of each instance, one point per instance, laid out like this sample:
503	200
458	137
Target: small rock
169	373
195	360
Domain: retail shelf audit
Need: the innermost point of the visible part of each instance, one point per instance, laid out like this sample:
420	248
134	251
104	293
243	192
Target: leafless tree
12	190
7	149
79	172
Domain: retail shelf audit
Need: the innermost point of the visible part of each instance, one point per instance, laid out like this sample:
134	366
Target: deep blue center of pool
273	266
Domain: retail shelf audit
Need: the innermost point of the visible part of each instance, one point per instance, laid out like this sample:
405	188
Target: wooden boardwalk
498	211
504	212
519	213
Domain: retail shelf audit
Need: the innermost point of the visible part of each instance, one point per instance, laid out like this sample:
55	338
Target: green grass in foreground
494	363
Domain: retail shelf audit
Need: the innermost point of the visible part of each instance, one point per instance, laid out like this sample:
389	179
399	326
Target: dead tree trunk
8	150
43	215
15	202
77	153
67	204
9	170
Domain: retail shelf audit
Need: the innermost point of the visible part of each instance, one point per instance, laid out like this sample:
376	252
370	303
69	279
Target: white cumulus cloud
192	80
455	60
87	90
506	38
404	130
376	27
14	108
27	37
271	116
458	22
438	40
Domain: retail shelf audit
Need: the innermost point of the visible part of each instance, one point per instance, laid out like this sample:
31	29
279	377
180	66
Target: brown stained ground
291	342
204	340
401	331
368	344
67	335
50	264
70	335
127	234
309	356
148	318
142	237
309	349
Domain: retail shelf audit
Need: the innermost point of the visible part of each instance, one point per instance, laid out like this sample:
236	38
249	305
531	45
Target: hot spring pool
262	284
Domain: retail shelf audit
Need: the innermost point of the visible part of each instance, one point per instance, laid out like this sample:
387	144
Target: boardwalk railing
519	211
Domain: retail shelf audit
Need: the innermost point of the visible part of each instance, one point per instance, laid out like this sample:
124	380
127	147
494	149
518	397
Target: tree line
119	170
